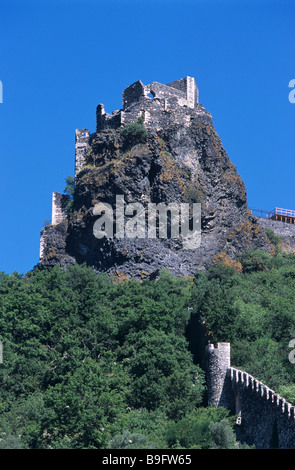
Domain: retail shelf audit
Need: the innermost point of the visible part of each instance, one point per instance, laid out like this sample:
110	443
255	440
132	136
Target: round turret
218	362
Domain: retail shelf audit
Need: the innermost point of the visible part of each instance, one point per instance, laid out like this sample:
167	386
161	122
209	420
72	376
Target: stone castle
263	417
181	128
173	106
153	102
182	161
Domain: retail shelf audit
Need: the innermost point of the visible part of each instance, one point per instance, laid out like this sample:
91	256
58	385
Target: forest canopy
91	362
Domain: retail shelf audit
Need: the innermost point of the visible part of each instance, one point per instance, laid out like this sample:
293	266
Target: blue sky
59	59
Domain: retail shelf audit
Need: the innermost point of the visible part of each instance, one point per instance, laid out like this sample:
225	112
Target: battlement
245	380
262	415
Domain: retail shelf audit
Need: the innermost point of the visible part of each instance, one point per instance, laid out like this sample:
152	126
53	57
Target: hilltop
161	147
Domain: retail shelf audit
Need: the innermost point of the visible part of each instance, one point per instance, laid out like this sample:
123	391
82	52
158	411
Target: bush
127	440
134	133
222	435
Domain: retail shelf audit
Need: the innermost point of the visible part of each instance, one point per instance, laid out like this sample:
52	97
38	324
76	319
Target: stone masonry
81	147
179	97
262	416
285	231
52	237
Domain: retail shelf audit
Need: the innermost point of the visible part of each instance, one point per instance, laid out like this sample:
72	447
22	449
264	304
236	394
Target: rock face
170	154
286	232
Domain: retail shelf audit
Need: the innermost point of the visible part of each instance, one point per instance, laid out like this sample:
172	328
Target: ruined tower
218	363
81	147
151	101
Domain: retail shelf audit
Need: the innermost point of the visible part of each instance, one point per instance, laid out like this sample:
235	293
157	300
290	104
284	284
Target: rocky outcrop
178	158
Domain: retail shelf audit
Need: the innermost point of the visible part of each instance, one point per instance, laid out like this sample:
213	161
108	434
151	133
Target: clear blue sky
59	59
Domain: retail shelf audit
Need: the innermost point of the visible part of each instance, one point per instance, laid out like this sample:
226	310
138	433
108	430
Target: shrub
134	133
127	440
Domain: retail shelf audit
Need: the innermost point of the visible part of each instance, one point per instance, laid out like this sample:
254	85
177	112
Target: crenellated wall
266	419
263	417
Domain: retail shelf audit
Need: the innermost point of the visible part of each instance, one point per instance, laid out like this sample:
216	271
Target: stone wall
154	101
82	147
263	417
284	230
53	236
59	203
188	86
133	93
218	364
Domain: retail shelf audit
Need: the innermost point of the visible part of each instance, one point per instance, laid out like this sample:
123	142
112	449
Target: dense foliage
134	133
255	311
90	362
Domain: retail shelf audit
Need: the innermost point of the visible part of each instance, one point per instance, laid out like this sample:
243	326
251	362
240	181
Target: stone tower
218	363
81	147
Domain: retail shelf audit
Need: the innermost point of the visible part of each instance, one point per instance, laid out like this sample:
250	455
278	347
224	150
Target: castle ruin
154	103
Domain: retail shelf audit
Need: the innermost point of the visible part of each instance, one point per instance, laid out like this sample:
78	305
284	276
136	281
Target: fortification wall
133	93
284	230
82	147
165	92
179	98
59	203
263	418
281	229
188	86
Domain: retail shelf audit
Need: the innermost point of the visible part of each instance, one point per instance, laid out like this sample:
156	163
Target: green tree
222	435
134	133
193	430
162	371
127	440
70	186
84	407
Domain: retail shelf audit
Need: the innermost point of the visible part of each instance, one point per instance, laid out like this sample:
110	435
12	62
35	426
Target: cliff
170	154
